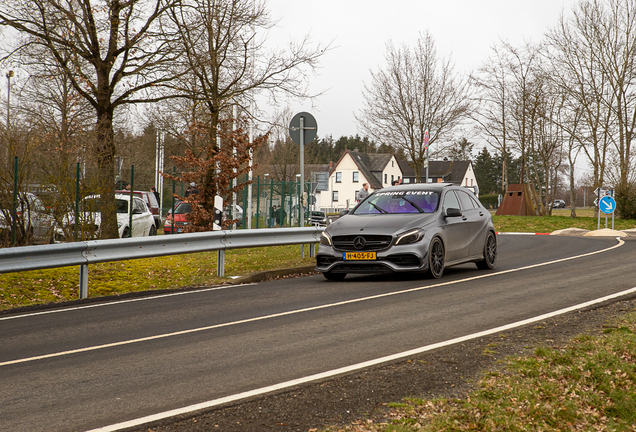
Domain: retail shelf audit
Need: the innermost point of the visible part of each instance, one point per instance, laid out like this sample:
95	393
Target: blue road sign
607	204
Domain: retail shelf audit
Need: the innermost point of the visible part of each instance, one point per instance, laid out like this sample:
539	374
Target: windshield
399	202
183	208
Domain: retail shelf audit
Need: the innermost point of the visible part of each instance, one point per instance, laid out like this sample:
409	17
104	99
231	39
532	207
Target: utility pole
9	75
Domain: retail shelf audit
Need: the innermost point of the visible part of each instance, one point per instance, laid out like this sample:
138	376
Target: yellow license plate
359	255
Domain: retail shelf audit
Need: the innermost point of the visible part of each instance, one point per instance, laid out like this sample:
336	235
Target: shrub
626	201
489	201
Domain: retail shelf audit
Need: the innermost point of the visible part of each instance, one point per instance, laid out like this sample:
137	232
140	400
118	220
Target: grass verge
543	224
589	385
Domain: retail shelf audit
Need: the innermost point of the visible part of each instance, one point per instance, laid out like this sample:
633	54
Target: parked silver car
34	223
409	228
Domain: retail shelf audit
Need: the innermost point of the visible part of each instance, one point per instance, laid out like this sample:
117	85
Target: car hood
386	224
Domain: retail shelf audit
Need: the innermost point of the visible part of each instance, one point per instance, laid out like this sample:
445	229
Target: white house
353	169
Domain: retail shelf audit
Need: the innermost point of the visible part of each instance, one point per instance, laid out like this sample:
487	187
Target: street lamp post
9	75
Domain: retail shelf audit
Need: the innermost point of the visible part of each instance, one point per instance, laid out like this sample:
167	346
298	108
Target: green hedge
489	201
626	202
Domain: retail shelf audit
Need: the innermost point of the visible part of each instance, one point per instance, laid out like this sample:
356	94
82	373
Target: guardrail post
220	263
312	250
83	283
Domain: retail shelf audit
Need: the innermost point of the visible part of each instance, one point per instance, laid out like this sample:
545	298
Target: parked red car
178	223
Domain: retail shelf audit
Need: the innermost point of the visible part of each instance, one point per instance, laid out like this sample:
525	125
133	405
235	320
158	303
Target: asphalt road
97	365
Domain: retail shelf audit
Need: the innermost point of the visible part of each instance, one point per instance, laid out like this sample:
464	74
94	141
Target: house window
407	180
338	177
334	196
384	178
392	164
355	176
391	178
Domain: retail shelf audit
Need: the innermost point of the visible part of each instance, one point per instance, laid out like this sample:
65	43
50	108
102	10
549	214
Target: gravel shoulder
450	372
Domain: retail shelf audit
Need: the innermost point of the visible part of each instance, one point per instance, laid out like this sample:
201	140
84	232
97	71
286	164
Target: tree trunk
106	172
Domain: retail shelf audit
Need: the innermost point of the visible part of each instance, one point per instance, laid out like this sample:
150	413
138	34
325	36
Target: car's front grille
354	243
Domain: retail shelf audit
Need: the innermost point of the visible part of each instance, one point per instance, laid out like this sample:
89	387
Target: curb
271	274
520	233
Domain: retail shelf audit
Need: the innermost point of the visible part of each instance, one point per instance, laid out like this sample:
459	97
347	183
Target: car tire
490	253
126	233
153	231
436	258
334	276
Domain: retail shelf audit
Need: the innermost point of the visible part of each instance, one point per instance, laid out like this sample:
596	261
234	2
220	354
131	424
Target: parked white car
143	222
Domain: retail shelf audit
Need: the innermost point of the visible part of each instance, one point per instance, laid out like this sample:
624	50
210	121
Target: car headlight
118	224
325	239
410	237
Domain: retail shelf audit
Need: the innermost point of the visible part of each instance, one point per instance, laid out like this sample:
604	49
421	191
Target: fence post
258	200
130	206
282	204
270	223
14	228
83	282
77	200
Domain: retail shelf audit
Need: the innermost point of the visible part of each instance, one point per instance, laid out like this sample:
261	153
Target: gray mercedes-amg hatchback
422	227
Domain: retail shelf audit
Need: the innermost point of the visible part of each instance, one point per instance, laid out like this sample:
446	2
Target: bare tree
492	84
571	49
111	50
228	65
415	93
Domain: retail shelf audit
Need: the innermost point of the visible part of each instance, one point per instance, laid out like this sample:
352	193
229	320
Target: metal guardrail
99	251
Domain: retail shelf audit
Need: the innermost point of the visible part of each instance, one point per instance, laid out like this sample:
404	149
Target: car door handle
481	213
464	217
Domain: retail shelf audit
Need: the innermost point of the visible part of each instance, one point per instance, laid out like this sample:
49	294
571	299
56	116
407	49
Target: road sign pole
598	200
302	179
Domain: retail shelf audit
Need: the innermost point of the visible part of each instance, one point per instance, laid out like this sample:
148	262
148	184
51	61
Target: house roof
450	171
367	163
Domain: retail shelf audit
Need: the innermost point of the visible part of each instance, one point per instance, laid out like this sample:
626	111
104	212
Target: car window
414	201
464	199
476	202
183	208
140	205
151	199
450	201
121	206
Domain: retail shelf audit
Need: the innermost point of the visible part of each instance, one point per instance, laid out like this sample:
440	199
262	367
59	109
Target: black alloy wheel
490	253
436	258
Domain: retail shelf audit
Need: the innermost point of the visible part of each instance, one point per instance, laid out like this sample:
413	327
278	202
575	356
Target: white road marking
294	312
347	369
117	302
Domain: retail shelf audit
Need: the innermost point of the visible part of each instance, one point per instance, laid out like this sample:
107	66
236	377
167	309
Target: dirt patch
446	372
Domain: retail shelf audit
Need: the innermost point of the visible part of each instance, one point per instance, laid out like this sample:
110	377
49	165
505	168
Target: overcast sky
465	30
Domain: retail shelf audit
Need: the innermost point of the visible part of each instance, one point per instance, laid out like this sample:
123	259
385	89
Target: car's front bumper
396	259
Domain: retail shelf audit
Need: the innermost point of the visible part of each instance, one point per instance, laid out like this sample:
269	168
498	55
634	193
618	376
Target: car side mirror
137	211
453	212
344	212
